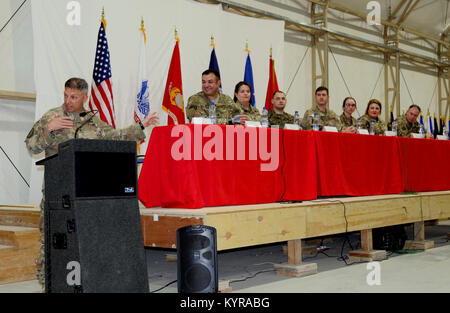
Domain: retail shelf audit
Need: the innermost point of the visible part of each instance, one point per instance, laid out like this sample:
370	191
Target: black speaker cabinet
93	232
197	259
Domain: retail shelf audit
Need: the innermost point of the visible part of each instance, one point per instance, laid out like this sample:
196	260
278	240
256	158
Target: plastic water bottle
372	127
265	118
358	124
445	131
212	112
316	121
422	130
394	127
297	119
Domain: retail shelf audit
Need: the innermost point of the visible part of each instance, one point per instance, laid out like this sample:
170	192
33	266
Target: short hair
376	101
236	89
278	91
320	89
415	106
212	71
77	83
345	100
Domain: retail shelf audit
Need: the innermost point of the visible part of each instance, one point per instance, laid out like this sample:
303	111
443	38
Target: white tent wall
62	51
16	117
196	22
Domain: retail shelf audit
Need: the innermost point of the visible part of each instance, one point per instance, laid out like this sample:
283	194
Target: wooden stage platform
249	225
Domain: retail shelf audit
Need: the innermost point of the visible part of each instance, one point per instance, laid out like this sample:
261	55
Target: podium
93	232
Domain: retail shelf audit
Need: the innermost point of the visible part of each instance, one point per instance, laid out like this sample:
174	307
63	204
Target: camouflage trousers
40	260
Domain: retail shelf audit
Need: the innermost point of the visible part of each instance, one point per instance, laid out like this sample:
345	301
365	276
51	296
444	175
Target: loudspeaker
93	232
197	259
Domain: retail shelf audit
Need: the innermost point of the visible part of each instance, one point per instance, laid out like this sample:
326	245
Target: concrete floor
250	270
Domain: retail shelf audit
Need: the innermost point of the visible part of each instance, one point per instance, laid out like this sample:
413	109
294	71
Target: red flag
272	85
173	93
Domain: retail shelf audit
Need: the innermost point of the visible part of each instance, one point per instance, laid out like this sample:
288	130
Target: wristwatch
142	126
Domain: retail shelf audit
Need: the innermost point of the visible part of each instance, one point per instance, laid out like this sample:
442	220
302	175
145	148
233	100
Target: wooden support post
419	242
294	267
367	254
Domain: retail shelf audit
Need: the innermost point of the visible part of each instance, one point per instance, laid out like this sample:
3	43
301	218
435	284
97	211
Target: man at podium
68	121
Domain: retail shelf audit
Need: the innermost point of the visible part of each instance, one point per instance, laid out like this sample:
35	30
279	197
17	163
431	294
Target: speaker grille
197	277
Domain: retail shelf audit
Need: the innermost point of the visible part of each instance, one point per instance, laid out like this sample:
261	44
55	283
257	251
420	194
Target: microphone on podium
83	114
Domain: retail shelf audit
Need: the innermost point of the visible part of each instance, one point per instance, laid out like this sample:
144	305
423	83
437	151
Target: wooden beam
407	11
20	96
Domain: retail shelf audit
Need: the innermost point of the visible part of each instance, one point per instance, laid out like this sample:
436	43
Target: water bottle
212	112
372	127
394	127
422	130
297	119
316	121
265	118
358	124
445	131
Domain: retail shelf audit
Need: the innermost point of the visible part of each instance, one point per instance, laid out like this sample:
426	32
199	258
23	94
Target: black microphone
83	114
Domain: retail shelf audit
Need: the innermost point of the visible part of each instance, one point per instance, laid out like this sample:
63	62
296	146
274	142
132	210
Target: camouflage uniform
327	118
379	125
252	113
40	139
280	119
405	128
198	106
347	122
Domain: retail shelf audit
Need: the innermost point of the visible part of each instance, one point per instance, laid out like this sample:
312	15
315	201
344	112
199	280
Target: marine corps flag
173	93
272	86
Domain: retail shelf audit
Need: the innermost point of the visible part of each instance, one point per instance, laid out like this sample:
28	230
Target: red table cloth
357	165
195	166
166	180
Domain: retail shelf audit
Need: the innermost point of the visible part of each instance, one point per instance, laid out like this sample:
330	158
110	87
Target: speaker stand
294	267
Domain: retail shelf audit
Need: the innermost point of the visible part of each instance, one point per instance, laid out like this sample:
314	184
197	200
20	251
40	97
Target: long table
195	166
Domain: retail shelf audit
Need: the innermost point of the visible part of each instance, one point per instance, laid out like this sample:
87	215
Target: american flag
101	91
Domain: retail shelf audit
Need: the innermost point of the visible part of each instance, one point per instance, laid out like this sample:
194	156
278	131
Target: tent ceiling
428	16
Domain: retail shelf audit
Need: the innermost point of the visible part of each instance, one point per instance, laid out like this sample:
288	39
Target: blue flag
214	65
248	77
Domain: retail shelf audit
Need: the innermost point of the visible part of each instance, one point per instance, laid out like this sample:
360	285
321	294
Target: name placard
416	135
201	120
331	129
389	133
363	131
252	124
291	126
441	137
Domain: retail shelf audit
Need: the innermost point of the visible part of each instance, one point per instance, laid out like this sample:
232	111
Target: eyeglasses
350	105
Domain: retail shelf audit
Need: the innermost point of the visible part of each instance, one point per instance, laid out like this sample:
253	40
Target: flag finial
176	35
142	22
212	42
103	18
246	47
270	51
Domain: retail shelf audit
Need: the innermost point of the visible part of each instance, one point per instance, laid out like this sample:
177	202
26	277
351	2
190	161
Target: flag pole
246	47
